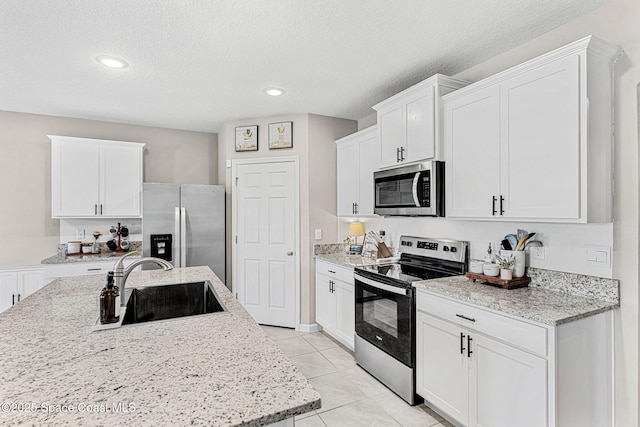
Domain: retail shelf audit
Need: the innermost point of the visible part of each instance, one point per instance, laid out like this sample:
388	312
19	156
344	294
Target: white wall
617	23
313	143
25	187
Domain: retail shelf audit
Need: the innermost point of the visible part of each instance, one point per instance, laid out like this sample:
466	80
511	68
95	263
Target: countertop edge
601	305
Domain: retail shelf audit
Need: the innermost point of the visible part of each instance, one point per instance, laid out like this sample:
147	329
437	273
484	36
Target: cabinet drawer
524	335
334	271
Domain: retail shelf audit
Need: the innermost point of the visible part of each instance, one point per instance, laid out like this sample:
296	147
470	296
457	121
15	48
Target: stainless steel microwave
414	190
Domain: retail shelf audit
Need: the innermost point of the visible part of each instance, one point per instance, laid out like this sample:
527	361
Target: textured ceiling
195	64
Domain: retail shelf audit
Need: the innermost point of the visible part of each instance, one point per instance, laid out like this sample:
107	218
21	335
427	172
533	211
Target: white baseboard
306	327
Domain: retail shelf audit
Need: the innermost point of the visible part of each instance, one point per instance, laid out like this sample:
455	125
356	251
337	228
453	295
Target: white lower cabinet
335	301
483	369
16	285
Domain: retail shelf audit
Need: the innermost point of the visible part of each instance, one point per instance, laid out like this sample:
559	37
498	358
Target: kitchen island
216	369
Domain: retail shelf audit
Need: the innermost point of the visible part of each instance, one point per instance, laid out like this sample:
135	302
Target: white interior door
266	252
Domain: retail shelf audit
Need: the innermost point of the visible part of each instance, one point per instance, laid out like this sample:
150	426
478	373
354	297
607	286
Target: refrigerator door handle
183	237
177	229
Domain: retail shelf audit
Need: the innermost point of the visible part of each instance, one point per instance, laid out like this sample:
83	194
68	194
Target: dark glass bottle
109	301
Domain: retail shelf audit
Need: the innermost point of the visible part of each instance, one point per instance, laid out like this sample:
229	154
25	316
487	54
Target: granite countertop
104	255
218	369
539	305
346	260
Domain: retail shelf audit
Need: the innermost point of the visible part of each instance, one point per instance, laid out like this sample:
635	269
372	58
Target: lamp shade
356	229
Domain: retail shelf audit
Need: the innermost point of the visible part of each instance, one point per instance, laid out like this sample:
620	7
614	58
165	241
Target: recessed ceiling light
274	91
111	62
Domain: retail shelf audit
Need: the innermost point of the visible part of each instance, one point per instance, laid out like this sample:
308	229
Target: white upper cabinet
534	142
408	122
358	157
91	177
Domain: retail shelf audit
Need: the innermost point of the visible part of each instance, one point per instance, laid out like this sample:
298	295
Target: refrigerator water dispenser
161	246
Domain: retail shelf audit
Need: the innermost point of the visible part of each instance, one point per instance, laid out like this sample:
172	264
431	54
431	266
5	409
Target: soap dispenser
109	301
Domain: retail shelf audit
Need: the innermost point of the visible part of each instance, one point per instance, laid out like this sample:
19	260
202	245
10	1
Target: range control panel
453	250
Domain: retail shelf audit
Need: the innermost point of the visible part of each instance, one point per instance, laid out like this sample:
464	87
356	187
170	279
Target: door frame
234	221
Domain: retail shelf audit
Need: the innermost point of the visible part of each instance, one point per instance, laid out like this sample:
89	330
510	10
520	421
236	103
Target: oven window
395	191
381	313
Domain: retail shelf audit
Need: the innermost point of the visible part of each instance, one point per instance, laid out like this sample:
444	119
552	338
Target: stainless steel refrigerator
185	224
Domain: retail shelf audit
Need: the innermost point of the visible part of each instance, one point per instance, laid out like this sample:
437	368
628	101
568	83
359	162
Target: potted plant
506	266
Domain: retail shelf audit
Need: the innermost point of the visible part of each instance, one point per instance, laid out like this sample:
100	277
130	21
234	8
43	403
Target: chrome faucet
121	274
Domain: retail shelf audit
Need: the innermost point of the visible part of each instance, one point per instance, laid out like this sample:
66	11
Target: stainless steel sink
171	301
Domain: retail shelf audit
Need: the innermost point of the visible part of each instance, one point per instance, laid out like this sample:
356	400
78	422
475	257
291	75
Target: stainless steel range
385	308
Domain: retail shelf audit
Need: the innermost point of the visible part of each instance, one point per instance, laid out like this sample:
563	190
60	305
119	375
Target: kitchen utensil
520	244
521	233
513	240
533	244
506	245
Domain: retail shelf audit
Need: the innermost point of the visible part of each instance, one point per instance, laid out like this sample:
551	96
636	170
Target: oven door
384	317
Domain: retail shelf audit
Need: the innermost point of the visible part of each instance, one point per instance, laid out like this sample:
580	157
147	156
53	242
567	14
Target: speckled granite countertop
104	255
346	260
218	369
540	305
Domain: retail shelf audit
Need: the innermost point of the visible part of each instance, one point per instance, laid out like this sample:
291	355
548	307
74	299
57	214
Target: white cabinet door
8	289
345	311
369	161
508	387
348	175
120	181
391	134
442	366
358	157
91	177
325	303
419	117
472	153
29	281
540	126
75	179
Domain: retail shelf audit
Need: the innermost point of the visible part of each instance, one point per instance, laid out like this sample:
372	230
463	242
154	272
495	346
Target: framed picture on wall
247	138
280	135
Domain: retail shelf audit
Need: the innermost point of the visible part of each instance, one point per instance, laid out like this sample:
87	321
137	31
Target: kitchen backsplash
69	227
565	244
329	248
575	284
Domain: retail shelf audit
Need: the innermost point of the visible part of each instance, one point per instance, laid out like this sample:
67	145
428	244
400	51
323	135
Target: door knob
289	253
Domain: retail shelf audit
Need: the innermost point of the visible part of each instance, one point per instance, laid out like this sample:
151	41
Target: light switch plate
598	256
318	233
80	233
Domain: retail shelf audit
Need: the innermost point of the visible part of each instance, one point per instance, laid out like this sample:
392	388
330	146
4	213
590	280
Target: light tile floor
350	396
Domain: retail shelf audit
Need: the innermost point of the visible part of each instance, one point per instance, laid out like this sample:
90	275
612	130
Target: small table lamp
356	229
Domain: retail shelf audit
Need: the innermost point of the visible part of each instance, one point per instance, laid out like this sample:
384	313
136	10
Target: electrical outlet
318	233
80	233
538	253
